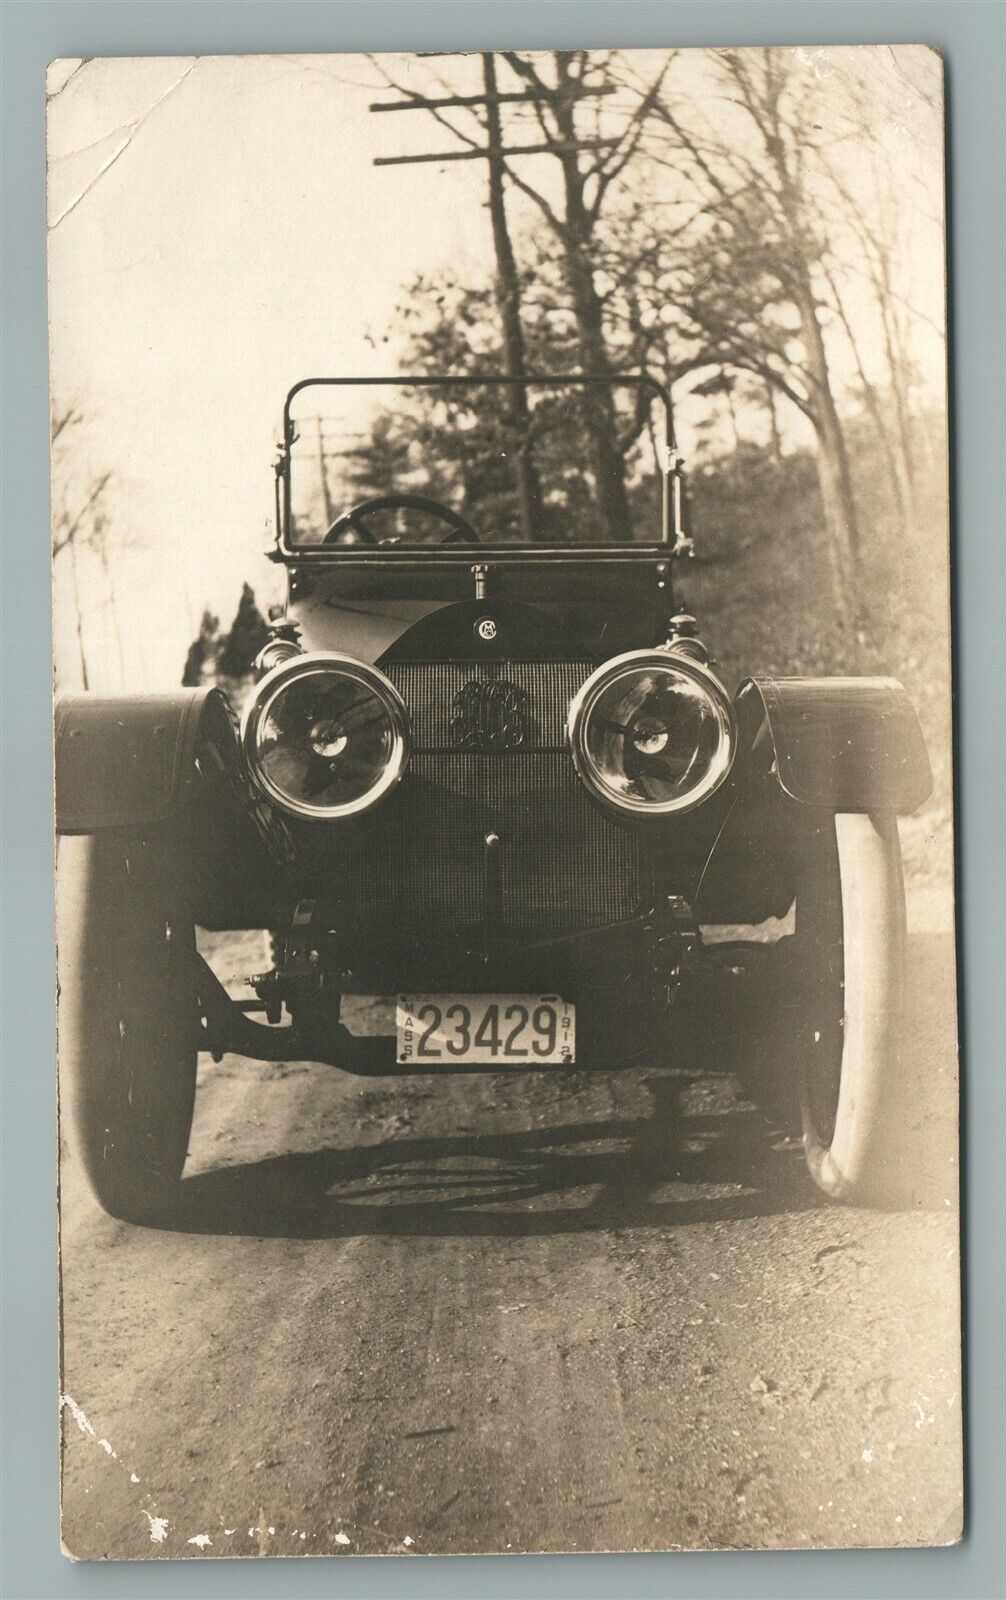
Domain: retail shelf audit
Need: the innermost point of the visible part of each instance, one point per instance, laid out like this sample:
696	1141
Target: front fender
126	761
847	744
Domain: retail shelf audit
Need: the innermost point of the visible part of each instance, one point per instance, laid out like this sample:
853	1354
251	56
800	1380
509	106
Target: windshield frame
672	538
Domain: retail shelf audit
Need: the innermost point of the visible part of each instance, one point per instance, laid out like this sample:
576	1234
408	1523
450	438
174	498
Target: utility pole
599	402
508	298
323	474
507	276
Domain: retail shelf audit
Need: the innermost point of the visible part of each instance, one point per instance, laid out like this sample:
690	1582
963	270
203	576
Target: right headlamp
652	732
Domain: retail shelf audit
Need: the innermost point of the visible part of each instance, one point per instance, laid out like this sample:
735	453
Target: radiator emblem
490	717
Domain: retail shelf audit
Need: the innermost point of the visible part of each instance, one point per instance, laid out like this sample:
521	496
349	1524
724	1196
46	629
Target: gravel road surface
562	1311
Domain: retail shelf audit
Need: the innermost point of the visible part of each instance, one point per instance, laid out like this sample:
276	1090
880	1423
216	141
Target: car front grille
420	858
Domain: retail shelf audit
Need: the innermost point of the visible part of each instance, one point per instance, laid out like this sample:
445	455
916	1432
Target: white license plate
503	1030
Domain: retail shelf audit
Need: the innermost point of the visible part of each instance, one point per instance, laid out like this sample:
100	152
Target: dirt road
512	1313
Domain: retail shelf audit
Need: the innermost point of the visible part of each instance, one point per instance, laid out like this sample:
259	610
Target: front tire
128	1019
847	966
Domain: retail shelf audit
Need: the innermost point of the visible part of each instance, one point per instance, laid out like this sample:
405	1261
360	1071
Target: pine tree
248	633
203	651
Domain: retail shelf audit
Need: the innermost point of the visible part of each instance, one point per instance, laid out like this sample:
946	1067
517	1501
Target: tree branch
69	531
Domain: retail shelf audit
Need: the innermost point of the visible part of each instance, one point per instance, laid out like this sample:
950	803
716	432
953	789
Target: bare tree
567	93
898	474
79	519
873	232
895	216
587	185
772	410
508	299
485	108
746	265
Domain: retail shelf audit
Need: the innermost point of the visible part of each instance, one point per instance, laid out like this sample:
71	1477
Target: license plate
503	1030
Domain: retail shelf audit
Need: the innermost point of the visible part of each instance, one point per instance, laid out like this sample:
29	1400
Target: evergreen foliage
248	633
201	660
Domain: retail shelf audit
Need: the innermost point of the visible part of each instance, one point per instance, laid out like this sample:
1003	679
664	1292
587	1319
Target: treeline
746	225
228	658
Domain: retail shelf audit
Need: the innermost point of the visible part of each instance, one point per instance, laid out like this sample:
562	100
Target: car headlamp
325	736
652	732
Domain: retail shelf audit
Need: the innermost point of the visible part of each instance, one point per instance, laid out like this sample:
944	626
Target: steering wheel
351	527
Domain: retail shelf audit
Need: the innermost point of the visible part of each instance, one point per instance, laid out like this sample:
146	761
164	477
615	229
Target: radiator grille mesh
546	688
565	865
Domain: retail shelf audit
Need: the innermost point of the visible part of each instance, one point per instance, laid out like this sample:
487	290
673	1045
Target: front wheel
845	981
128	1020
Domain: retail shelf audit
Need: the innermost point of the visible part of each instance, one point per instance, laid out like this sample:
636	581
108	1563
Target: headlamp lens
326	737
651	734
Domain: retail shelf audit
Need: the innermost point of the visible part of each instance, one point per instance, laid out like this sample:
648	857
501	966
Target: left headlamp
325	736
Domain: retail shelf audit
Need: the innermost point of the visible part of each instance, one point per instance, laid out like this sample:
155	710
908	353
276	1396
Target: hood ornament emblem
489	717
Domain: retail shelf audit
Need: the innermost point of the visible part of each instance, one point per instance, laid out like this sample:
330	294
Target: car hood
369	629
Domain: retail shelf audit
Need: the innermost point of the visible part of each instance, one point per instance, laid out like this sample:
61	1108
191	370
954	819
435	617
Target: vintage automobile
489	770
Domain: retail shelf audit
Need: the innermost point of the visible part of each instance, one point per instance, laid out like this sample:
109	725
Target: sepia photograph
507	1022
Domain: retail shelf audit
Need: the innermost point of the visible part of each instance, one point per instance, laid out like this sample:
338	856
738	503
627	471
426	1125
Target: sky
217	231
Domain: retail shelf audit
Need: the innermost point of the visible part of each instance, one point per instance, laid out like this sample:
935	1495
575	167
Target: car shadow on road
680	1164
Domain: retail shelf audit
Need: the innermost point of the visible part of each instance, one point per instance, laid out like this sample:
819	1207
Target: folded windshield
552	462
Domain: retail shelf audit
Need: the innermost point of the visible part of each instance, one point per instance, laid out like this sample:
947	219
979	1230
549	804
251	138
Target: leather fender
848	744
131	761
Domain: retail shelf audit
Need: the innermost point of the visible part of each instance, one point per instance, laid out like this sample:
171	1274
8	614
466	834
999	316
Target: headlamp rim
667	660
315	663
